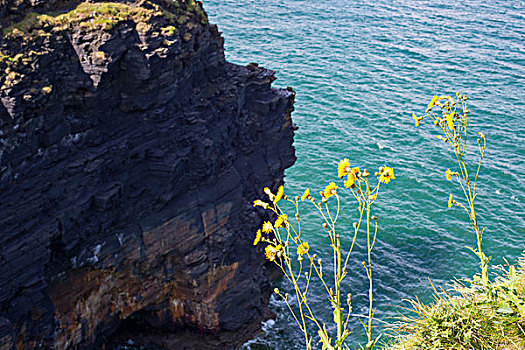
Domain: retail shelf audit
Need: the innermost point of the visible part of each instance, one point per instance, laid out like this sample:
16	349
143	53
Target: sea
360	69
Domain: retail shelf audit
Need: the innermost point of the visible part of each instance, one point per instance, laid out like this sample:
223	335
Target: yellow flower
267	227
303	248
433	102
280	220
279	194
330	190
350	181
449	174
343	168
386	175
257	237
450	122
270	251
305	194
269	193
450	201
260	203
356	170
416	119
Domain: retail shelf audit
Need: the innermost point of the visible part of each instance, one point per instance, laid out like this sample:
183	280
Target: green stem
338	294
370	294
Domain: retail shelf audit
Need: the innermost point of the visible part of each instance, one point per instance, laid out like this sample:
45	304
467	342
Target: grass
100	15
469	317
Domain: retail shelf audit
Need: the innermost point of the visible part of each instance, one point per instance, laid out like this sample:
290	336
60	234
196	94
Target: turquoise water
360	68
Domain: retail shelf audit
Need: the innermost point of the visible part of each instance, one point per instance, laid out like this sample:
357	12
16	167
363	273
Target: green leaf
370	345
505	308
324	339
338	316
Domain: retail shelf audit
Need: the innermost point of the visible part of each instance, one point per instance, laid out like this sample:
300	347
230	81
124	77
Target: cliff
130	154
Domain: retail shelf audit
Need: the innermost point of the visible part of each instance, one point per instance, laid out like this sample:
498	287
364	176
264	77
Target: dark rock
130	156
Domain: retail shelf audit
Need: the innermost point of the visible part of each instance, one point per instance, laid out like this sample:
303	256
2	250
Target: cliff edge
130	154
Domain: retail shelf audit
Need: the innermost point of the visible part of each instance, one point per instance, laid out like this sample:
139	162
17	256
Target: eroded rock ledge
130	154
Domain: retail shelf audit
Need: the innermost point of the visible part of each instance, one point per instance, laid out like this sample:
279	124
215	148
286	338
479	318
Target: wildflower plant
286	246
481	314
453	125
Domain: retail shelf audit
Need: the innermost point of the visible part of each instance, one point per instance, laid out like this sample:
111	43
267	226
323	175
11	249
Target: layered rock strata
130	154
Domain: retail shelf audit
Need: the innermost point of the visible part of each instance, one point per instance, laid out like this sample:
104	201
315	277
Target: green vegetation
478	314
101	16
469	317
168	31
47	90
483	314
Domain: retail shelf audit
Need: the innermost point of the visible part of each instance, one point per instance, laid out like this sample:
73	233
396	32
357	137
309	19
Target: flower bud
276	290
325	226
355	225
366	173
374	217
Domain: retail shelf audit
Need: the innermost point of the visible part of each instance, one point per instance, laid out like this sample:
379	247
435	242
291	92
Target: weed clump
469	317
101	16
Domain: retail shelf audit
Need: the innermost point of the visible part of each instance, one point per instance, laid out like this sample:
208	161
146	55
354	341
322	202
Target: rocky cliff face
130	154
